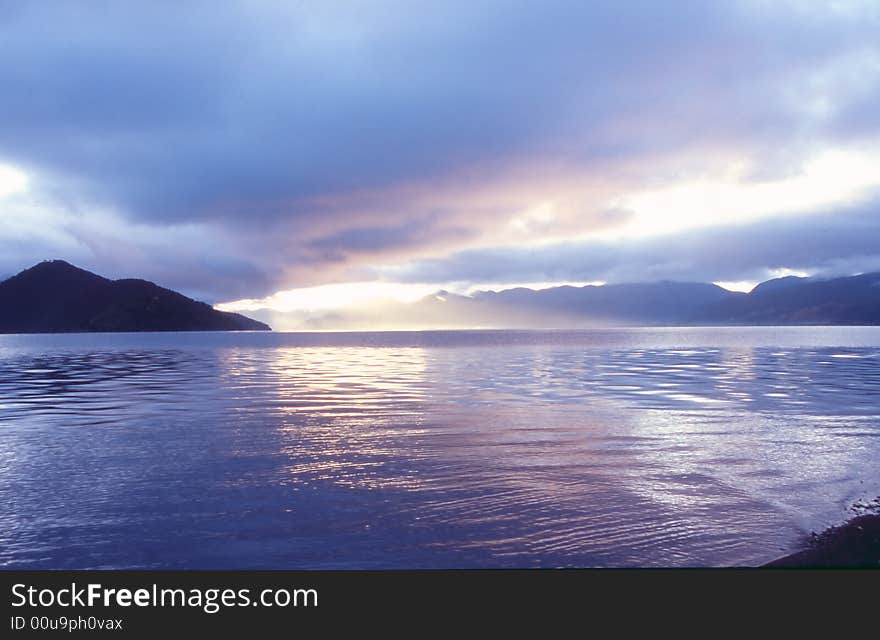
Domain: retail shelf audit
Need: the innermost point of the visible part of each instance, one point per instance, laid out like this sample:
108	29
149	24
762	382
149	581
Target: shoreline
853	544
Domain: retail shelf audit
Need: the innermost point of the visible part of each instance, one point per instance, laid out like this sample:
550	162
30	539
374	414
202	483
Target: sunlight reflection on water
615	448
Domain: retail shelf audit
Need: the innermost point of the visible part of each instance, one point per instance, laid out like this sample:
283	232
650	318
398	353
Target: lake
601	448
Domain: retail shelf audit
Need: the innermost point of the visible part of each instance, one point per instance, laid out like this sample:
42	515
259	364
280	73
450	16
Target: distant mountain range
784	301
853	300
653	303
55	297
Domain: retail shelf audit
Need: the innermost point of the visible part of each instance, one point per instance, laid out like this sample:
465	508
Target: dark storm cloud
297	133
830	243
177	111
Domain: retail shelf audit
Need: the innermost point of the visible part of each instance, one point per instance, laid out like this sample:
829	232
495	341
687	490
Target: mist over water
625	447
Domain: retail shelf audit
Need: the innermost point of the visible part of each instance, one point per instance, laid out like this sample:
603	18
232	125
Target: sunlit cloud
832	178
12	180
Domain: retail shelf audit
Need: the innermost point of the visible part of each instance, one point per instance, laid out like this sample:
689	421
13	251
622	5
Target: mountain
55	296
777	283
656	302
851	300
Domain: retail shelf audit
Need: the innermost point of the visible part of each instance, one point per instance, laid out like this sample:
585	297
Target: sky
310	155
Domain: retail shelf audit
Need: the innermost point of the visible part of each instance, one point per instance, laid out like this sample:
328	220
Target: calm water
654	447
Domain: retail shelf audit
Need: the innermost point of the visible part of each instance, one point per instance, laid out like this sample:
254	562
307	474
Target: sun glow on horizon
831	178
352	294
739	286
745	286
332	296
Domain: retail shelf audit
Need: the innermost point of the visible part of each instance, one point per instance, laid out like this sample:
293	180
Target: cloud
238	148
830	243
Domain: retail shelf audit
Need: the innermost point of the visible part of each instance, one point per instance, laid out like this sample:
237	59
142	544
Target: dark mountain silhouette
842	301
777	283
55	296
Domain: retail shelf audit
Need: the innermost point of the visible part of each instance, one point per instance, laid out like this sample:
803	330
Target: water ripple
449	450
